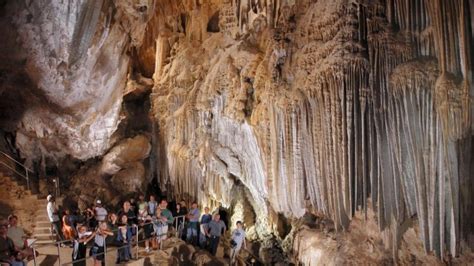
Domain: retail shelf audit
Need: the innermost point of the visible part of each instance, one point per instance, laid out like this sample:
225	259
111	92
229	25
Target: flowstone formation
332	128
319	106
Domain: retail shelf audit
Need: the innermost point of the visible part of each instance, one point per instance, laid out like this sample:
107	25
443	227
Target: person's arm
108	232
86	239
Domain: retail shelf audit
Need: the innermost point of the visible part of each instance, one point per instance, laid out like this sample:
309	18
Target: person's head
123	219
194	205
3	227
152	198
217	217
141	197
141	206
112	217
158	213
103	226
239	224
50	198
178	206
13	220
98	203
206	210
82	229
163	204
67	211
126	206
132	200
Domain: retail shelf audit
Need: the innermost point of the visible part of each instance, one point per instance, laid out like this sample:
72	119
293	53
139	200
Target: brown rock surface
269	109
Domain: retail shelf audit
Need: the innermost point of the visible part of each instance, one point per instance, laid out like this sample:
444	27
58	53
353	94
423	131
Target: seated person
8	251
18	235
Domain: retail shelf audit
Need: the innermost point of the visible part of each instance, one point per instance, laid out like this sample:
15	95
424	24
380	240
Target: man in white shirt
100	212
53	216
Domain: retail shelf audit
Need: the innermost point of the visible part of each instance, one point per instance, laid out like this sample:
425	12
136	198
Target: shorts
97	252
162	231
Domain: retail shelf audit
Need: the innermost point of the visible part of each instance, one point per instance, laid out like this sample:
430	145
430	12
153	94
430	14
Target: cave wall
320	106
327	107
77	56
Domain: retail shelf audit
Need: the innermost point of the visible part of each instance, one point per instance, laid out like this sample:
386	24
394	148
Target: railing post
105	250
136	230
27	180
59	252
34	253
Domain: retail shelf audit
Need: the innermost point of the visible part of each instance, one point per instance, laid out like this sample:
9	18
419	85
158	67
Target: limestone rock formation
317	106
275	110
125	153
76	54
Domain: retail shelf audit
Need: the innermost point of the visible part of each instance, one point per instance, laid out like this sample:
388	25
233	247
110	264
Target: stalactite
354	105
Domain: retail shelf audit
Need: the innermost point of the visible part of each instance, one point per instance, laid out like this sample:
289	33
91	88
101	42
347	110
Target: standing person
127	210
216	228
100	213
237	240
166	217
97	250
142	212
133	205
68	231
141	200
205	219
52	211
152	205
193	217
113	223
179	211
80	246
124	240
148	231
160	226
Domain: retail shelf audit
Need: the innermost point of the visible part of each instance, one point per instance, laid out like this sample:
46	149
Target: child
97	250
149	234
79	245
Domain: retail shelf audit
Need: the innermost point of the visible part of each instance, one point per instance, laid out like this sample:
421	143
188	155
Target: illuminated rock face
318	106
271	108
77	56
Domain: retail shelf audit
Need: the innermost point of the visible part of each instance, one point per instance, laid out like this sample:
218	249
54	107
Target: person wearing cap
52	211
100	212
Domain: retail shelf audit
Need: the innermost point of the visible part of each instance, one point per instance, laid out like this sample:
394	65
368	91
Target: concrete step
46	236
42	230
40	242
42	223
42	217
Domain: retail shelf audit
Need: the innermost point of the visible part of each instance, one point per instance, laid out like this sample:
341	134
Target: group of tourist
14	248
148	219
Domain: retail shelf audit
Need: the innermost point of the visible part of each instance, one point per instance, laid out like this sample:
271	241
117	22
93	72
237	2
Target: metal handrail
14	170
11	158
58	244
